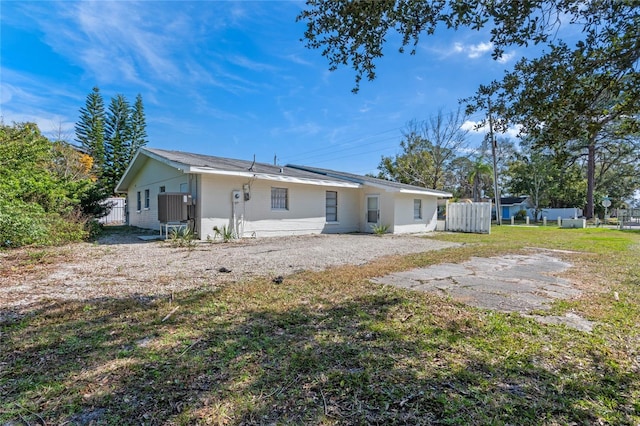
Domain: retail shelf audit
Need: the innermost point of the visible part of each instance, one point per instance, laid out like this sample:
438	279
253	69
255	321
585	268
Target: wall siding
306	213
404	221
152	176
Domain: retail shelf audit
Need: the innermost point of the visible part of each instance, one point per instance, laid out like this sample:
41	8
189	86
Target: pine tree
91	127
138	127
117	141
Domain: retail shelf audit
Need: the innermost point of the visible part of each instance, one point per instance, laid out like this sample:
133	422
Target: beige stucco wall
152	176
404	221
305	215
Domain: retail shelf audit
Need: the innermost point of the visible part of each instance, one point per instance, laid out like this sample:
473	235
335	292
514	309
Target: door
373	210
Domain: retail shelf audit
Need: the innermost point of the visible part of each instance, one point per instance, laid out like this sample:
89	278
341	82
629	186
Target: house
512	205
257	199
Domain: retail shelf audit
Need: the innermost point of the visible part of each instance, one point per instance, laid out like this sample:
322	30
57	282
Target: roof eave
273	177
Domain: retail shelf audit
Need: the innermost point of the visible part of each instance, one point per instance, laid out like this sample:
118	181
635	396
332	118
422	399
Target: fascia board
276	178
426	192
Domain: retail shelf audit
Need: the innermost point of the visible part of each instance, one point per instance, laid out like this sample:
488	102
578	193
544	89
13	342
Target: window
417	209
146	198
139	202
332	206
163	189
279	199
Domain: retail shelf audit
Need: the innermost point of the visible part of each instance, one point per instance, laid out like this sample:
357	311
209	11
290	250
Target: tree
572	116
42	184
567	94
429	148
90	128
480	177
138	127
117	141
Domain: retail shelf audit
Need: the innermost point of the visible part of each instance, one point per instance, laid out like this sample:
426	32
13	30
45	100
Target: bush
379	229
23	224
521	215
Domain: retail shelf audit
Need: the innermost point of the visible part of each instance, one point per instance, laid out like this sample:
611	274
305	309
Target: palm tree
480	175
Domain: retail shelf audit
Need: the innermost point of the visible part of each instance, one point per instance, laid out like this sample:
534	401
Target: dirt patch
123	265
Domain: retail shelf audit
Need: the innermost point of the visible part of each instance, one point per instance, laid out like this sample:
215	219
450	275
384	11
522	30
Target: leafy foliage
43	185
225	233
570	95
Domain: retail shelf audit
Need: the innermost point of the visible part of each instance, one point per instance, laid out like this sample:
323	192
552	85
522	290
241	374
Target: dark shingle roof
368	180
229	164
510	201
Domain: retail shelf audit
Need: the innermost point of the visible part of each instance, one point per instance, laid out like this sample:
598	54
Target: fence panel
117	215
469	217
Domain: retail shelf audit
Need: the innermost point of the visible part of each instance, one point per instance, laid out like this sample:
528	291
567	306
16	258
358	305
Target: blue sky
229	78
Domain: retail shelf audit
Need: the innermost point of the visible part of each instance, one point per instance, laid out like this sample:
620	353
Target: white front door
373	210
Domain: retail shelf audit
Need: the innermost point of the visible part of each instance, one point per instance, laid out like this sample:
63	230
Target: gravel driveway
123	265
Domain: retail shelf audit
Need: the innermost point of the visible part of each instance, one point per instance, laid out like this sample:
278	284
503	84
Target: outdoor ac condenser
173	207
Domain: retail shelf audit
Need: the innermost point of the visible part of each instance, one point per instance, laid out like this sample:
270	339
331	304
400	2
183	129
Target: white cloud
244	62
477	50
472	126
298	60
506	57
478	127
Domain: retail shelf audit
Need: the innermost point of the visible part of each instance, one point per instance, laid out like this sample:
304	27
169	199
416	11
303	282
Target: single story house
257	199
512	205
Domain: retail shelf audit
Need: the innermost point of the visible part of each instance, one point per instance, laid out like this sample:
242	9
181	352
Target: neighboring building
512	205
257	199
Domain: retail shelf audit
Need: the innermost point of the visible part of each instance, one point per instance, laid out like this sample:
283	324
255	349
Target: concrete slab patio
512	283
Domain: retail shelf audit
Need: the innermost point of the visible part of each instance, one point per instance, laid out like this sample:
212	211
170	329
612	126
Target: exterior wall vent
173	207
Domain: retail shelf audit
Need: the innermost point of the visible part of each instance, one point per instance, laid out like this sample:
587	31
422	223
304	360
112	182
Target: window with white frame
279	199
146	198
417	209
332	206
139	201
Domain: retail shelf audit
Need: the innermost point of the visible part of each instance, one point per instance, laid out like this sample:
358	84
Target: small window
417	209
163	189
146	198
139	202
279	199
332	206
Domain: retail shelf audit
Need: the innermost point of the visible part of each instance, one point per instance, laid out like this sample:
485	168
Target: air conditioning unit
173	207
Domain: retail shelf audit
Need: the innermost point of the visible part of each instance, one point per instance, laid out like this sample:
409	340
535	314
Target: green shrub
182	237
226	233
521	215
379	229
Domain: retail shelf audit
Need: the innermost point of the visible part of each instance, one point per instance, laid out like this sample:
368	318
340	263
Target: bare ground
122	265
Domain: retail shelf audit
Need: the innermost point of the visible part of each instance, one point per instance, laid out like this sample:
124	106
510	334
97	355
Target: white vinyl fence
117	214
469	217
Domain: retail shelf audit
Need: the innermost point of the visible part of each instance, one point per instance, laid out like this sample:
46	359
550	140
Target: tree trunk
591	178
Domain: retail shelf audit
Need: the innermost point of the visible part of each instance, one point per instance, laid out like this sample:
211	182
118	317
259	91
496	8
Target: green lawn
332	348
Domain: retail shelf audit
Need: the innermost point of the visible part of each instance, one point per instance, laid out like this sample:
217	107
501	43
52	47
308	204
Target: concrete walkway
513	283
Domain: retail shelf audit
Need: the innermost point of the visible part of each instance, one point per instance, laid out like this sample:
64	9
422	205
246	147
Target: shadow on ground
384	358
